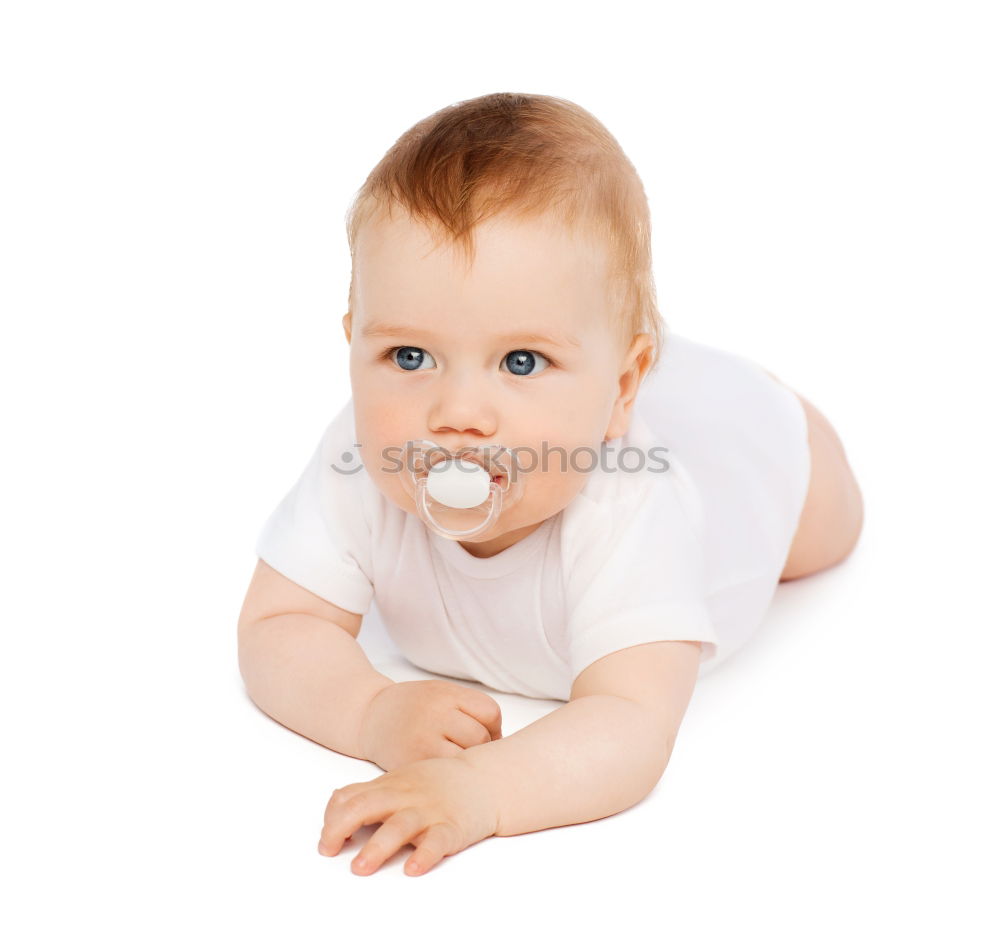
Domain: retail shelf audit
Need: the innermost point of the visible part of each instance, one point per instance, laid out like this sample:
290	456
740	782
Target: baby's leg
833	513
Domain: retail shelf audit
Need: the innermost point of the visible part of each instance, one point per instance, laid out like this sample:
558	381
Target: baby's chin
487	545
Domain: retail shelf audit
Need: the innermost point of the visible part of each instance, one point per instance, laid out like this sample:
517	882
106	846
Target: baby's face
517	350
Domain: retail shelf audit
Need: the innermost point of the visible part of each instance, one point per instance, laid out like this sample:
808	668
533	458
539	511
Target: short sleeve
319	535
637	572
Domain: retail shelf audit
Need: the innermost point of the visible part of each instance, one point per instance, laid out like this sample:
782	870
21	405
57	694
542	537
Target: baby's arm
301	662
303	666
601	752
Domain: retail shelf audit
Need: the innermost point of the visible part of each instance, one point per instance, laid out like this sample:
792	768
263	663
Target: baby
627	506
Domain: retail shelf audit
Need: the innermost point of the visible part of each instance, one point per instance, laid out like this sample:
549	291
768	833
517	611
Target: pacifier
459	495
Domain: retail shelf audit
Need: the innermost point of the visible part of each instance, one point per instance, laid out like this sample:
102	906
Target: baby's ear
346	320
634	368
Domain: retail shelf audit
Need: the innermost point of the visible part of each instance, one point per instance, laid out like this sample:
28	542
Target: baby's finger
465	731
448	749
398	830
485	709
437	842
346	813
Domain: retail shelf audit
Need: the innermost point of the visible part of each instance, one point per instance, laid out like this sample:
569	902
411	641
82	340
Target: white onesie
689	550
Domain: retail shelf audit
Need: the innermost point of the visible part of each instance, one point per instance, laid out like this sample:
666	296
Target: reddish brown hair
524	155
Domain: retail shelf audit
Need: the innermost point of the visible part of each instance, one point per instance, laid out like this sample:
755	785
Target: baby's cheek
386	466
547	493
390	486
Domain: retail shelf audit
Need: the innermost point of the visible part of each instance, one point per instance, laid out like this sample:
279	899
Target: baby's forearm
311	676
590	758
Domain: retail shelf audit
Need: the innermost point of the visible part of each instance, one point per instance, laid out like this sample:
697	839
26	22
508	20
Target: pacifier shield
459	494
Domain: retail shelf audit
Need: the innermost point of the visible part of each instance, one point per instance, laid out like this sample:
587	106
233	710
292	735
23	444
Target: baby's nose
461	419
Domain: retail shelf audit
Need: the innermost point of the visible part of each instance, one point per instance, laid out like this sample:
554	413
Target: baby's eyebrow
556	338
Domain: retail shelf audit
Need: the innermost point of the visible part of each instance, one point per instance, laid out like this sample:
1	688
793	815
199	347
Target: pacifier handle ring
491	518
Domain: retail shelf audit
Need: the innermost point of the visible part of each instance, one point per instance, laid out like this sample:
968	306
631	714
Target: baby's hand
440	806
413	720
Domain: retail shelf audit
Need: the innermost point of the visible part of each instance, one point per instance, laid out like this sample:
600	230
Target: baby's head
501	293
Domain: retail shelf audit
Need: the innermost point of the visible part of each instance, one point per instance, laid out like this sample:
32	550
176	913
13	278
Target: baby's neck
488	548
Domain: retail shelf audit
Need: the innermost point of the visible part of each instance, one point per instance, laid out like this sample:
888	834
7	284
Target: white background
824	188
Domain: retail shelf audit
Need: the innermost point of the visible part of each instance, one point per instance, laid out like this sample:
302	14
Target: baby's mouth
496	474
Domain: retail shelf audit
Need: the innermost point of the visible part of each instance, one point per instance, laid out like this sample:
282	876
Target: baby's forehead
519	275
544	233
502	254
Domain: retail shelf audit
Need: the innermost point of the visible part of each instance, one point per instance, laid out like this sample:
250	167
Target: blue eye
521	362
410	358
